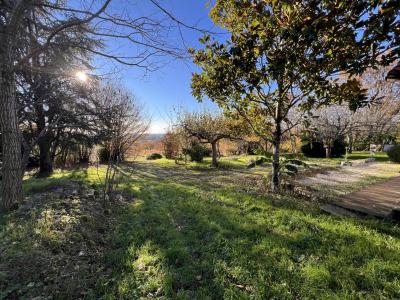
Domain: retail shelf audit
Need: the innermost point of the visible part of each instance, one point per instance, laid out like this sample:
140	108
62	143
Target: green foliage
316	149
257	162
263	152
394	154
339	148
154	156
313	149
283	55
196	151
104	155
253	147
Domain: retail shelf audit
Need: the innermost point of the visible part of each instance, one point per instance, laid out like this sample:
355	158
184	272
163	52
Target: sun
81	76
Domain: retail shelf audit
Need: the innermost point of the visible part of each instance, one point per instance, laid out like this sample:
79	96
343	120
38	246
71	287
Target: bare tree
330	124
378	122
120	121
120	117
210	128
88	28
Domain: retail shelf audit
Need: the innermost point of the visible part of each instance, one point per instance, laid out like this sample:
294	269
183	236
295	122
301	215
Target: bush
171	145
339	148
316	149
394	153
313	149
154	156
103	154
253	147
196	152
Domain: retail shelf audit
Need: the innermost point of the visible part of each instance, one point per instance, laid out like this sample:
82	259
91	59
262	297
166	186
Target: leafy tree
210	128
284	55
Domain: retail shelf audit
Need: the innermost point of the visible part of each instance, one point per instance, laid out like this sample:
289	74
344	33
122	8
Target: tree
284	55
209	128
375	123
119	118
62	24
378	122
331	124
171	144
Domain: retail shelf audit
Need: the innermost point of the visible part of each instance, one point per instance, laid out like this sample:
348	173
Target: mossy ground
190	233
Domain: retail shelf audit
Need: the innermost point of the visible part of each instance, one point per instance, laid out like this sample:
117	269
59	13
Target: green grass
197	233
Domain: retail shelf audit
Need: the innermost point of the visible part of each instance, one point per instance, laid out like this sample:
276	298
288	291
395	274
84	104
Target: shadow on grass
192	234
52	246
181	242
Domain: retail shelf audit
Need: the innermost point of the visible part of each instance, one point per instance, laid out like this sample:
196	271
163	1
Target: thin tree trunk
275	159
214	154
275	182
12	158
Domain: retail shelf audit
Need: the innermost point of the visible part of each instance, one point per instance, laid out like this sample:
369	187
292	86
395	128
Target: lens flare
81	76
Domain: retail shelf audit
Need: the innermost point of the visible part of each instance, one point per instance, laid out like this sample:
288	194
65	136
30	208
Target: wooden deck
377	200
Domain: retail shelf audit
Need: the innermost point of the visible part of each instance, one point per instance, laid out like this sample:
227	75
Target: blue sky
168	87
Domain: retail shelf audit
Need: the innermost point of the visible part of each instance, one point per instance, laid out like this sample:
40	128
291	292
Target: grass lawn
190	233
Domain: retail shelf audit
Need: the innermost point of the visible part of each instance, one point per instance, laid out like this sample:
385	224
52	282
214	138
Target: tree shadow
178	242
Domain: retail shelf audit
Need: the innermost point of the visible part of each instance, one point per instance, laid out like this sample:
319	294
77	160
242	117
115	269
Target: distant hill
153	136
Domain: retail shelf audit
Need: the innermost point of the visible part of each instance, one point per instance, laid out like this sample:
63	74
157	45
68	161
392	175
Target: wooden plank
378	199
337	210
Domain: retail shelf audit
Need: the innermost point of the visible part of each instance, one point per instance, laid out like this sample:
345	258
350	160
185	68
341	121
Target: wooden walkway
377	200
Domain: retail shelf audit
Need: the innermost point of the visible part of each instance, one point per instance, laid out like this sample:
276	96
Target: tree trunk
328	151
275	159
45	159
350	147
12	158
214	162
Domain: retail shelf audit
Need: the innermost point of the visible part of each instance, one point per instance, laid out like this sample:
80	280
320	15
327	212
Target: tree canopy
283	55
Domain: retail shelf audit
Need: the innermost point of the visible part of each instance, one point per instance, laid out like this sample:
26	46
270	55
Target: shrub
253	147
154	156
339	148
103	154
394	153
257	162
196	152
316	149
171	145
313	149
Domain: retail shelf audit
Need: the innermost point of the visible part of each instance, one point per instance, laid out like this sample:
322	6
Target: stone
119	197
370	159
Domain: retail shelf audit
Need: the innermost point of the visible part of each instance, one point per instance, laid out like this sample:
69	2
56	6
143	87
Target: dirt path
370	188
351	174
